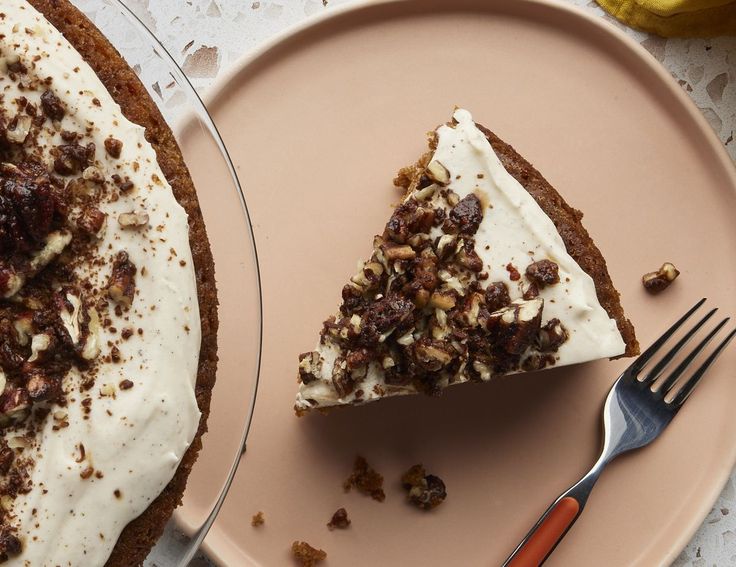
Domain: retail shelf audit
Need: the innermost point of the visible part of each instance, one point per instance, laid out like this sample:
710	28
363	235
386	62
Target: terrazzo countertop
207	36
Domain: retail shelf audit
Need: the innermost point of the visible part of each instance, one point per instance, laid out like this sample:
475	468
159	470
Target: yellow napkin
676	18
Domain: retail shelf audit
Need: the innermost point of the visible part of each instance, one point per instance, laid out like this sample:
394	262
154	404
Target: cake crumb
257	520
340	520
425	491
306	555
366	480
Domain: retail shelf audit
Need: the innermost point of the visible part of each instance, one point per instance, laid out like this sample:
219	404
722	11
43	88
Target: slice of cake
482	270
108	313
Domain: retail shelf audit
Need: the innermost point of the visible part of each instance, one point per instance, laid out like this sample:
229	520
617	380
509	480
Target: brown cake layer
578	242
141	534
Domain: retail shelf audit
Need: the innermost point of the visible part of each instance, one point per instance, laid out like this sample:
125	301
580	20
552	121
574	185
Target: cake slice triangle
482	270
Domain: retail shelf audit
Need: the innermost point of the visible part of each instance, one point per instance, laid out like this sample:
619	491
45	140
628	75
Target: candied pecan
41	387
342	378
468	257
655	282
432	354
497	296
339	520
552	335
467	214
517	326
365	480
391	312
397	227
73	158
309	364
306	555
114	147
357	358
91	220
423	490
121	287
543	272
52	106
425	272
353	300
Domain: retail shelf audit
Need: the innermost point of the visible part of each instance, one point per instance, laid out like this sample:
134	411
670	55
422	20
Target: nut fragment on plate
257	519
339	520
365	480
425	491
306	555
655	282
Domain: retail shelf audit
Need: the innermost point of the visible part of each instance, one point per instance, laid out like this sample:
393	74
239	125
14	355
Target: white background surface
207	36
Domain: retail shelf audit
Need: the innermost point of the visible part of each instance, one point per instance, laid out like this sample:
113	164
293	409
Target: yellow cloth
676	18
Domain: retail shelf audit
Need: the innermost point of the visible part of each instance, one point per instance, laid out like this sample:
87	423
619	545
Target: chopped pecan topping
543	272
431	354
121	287
438	172
257	519
655	282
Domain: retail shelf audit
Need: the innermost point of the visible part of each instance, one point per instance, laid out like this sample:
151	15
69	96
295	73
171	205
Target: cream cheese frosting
132	438
514	231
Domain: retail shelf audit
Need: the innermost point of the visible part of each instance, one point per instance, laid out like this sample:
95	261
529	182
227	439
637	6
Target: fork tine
656	372
689	386
644	357
677	372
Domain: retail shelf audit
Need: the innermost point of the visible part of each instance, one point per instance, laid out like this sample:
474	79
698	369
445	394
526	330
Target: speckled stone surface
207	36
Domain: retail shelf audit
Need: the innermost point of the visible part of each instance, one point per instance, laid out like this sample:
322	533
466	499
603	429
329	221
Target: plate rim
715	148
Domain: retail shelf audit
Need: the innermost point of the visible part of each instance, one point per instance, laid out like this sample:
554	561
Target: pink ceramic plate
317	124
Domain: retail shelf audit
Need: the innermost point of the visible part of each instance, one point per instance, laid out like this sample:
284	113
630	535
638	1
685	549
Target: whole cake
482	270
107	300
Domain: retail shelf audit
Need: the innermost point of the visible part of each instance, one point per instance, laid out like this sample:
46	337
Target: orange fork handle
547	534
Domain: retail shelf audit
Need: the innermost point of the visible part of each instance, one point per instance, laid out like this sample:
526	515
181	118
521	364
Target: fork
638	408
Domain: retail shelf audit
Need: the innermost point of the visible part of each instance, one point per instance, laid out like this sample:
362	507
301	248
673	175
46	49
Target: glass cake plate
233	247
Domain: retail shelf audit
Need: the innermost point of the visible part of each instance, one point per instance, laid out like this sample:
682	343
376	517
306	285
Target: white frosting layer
514	230
136	437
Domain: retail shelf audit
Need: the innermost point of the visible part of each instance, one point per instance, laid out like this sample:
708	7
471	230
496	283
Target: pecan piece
425	491
552	335
517	326
543	272
655	282
91	220
467	214
113	147
121	287
310	364
52	106
497	296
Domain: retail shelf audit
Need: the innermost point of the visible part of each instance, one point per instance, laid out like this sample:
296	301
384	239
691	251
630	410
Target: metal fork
634	415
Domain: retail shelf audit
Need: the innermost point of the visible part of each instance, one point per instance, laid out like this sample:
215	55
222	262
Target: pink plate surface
317	124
